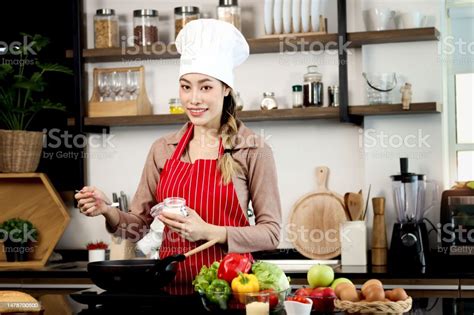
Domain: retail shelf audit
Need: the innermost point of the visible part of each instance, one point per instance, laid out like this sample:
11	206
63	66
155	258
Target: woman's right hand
92	201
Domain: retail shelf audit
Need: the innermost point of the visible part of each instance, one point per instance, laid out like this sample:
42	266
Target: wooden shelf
270	115
395	109
267	45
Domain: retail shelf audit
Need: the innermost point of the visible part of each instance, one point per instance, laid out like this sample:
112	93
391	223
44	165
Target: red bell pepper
231	265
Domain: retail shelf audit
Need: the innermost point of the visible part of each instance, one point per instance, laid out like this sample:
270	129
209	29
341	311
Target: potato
370	282
398	294
342	286
349	294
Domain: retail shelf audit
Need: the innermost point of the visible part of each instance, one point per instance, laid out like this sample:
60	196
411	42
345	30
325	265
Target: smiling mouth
197	110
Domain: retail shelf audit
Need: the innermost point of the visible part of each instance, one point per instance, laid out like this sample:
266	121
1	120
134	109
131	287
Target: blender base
409	246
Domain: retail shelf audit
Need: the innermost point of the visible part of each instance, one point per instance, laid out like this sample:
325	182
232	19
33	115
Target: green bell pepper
218	292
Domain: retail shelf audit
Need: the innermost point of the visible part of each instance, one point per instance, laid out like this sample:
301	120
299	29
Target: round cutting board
315	220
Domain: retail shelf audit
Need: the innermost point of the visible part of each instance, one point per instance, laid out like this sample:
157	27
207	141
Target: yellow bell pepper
244	283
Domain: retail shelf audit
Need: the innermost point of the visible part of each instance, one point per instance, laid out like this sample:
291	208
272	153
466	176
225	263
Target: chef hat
211	47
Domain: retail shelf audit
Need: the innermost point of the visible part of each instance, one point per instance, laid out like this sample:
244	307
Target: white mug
411	20
379	19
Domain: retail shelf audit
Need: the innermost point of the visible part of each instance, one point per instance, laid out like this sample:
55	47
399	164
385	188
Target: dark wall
52	19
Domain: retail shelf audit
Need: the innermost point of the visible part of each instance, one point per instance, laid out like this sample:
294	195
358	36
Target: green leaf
53	67
5	70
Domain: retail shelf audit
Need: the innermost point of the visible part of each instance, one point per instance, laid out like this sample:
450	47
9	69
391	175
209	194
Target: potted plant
22	84
97	251
18	235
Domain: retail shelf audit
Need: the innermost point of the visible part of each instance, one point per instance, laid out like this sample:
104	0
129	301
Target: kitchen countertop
128	304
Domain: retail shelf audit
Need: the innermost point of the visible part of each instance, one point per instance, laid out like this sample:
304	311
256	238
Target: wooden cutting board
315	220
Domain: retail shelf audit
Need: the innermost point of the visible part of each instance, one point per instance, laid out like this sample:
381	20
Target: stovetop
99	301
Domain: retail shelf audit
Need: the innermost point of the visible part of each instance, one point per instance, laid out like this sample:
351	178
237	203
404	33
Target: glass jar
229	11
106	29
184	15
297	96
313	88
269	101
145	27
175	106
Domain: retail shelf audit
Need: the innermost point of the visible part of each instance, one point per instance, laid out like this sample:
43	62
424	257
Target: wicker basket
398	307
20	151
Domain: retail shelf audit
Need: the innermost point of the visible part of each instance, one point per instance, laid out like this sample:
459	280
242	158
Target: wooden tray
31	196
319	214
139	106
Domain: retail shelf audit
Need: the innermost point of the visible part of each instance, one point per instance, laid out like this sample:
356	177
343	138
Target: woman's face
202	97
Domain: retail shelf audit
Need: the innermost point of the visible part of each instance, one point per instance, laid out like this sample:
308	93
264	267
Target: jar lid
228	3
265	94
175	101
105	12
313	74
145	12
186	9
297	88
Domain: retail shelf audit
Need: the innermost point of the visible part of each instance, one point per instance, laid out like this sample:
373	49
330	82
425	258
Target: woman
214	162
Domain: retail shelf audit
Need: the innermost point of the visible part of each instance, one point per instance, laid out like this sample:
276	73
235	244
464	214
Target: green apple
338	281
320	276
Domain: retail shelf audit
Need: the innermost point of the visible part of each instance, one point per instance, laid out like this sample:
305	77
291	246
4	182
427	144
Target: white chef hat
211	47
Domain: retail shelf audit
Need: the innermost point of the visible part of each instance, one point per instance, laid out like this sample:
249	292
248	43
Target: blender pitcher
405	193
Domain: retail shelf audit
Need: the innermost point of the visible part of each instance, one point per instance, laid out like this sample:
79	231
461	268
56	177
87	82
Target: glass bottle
106	29
313	88
184	15
175	106
297	96
145	27
229	11
269	101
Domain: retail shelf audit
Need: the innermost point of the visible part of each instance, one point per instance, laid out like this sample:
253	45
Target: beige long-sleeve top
258	183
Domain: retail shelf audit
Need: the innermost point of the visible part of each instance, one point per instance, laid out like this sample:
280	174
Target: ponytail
227	165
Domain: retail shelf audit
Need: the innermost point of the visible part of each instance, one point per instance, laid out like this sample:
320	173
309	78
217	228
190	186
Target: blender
409	246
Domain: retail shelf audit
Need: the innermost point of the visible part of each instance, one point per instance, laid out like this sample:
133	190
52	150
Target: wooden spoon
355	205
346	206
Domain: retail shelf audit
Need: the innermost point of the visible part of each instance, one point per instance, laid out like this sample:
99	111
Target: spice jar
145	27
106	29
269	101
229	11
297	96
184	15
175	106
313	88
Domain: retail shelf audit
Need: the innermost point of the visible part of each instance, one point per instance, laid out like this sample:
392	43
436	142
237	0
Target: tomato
298	298
273	297
304	291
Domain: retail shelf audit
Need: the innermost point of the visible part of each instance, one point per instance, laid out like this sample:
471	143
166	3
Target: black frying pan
138	274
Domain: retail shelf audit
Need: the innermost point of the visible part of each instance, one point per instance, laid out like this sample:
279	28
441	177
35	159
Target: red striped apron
200	184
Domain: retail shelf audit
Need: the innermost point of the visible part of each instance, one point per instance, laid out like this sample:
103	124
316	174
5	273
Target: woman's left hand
193	227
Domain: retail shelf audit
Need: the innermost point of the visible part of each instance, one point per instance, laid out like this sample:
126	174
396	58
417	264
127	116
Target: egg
374	293
398	294
370	282
388	294
349	293
340	287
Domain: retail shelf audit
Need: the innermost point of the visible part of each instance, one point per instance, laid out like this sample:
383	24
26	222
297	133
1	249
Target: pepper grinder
379	233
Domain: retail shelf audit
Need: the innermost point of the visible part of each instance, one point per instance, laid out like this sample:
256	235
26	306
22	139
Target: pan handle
201	247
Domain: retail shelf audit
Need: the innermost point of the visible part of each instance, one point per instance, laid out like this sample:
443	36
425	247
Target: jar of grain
229	11
106	29
184	15
145	27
